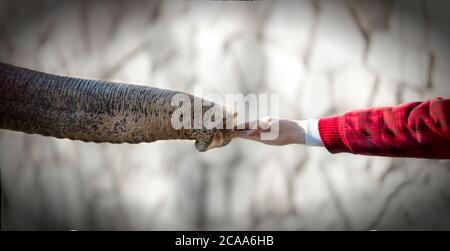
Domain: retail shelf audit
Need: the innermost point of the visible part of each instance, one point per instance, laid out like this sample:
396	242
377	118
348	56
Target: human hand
289	131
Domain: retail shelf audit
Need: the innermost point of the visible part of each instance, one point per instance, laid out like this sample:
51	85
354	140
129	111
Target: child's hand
290	131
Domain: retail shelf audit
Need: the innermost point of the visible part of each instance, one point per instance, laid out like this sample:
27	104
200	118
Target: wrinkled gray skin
94	110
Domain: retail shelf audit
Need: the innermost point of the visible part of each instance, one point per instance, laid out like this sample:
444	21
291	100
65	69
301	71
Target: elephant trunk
94	110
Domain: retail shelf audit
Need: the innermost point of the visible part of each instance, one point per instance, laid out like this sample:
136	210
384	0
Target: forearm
419	129
308	132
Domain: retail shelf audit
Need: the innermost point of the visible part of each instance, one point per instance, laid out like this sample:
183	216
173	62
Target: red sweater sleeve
418	129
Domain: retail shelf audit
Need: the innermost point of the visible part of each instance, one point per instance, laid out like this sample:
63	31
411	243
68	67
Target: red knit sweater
417	129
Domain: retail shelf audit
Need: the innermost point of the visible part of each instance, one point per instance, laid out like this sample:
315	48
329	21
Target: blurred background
322	58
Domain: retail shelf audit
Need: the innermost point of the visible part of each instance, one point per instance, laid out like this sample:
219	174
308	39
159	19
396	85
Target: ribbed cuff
332	134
